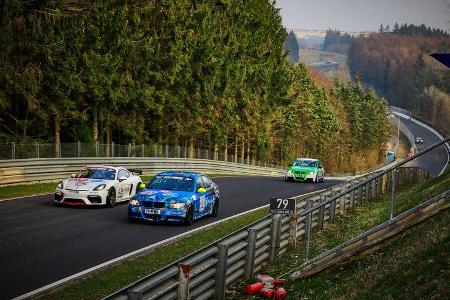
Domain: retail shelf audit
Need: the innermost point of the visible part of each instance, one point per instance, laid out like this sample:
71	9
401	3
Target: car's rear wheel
215	210
111	198
189	218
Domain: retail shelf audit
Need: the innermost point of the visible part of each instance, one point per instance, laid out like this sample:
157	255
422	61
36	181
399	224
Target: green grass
23	190
412	264
112	279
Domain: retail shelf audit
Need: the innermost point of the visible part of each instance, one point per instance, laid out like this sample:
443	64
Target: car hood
164	195
303	169
84	184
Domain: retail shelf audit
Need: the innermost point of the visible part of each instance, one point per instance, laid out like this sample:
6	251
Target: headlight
100	187
177	205
60	185
289	173
134	202
312	173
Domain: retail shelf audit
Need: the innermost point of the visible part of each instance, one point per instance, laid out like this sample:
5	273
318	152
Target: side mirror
201	190
73	175
142	186
320	167
122	178
289	165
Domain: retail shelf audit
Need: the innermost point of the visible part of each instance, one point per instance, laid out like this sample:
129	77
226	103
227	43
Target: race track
42	243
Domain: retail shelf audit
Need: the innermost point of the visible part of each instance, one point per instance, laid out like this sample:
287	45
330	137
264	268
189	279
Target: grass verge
24	190
414	264
116	277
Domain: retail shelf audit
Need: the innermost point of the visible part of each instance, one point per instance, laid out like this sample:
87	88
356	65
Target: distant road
325	66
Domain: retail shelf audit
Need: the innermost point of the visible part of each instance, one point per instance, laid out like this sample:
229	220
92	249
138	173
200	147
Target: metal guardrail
207	272
70	150
41	170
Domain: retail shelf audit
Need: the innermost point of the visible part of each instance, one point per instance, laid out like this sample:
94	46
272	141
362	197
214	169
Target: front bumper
139	213
80	198
301	177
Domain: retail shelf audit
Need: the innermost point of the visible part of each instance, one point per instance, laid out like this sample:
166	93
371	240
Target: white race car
98	185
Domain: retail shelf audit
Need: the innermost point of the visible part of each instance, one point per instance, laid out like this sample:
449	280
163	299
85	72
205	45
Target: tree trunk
235	150
57	135
216	151
248	153
243	151
225	150
191	147
95	125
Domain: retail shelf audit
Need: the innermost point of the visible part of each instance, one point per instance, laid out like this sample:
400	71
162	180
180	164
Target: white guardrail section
53	169
207	272
408	115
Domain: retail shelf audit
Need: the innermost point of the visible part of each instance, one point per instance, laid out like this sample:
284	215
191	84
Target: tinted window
305	163
97	173
177	183
206	182
200	183
123	173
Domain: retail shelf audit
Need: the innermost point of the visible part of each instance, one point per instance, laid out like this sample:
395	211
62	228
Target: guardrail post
275	237
167	150
78	149
393	193
332	208
143	150
37	150
13	150
129	149
221	271
352	199
293	224
308	223
250	253
178	151
112	149
183	282
96	149
321	213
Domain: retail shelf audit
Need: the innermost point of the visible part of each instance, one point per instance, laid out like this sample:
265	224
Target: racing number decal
202	203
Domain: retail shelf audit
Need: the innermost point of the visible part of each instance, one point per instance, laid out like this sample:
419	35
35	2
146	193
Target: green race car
304	169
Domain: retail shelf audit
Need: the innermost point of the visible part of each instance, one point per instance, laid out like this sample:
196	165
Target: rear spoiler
135	171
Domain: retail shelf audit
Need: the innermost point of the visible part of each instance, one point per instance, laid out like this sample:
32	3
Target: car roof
304	158
181	173
103	167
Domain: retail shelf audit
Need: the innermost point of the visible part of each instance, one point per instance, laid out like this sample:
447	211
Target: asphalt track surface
42	243
433	161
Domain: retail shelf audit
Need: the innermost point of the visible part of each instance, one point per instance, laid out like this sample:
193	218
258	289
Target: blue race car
175	196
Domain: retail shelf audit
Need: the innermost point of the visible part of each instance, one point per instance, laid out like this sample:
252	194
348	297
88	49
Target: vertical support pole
13	150
167	150
360	195
112	149
221	271
178	151
96	149
275	237
393	193
321	213
308	229
143	150
183	282
207	153
332	209
293	220
250	253
129	149
78	149
155	150
352	199
37	150
59	152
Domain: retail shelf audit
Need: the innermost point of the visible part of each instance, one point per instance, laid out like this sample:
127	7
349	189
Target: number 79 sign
282	206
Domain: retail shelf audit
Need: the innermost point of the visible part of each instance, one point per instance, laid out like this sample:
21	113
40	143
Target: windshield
178	183
305	163
98	173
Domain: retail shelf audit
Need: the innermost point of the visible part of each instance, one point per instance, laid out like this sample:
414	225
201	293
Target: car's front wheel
189	217
111	197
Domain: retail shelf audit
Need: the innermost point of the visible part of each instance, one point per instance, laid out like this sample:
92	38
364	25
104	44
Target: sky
362	15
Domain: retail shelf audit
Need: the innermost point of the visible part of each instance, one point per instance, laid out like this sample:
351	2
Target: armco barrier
41	170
